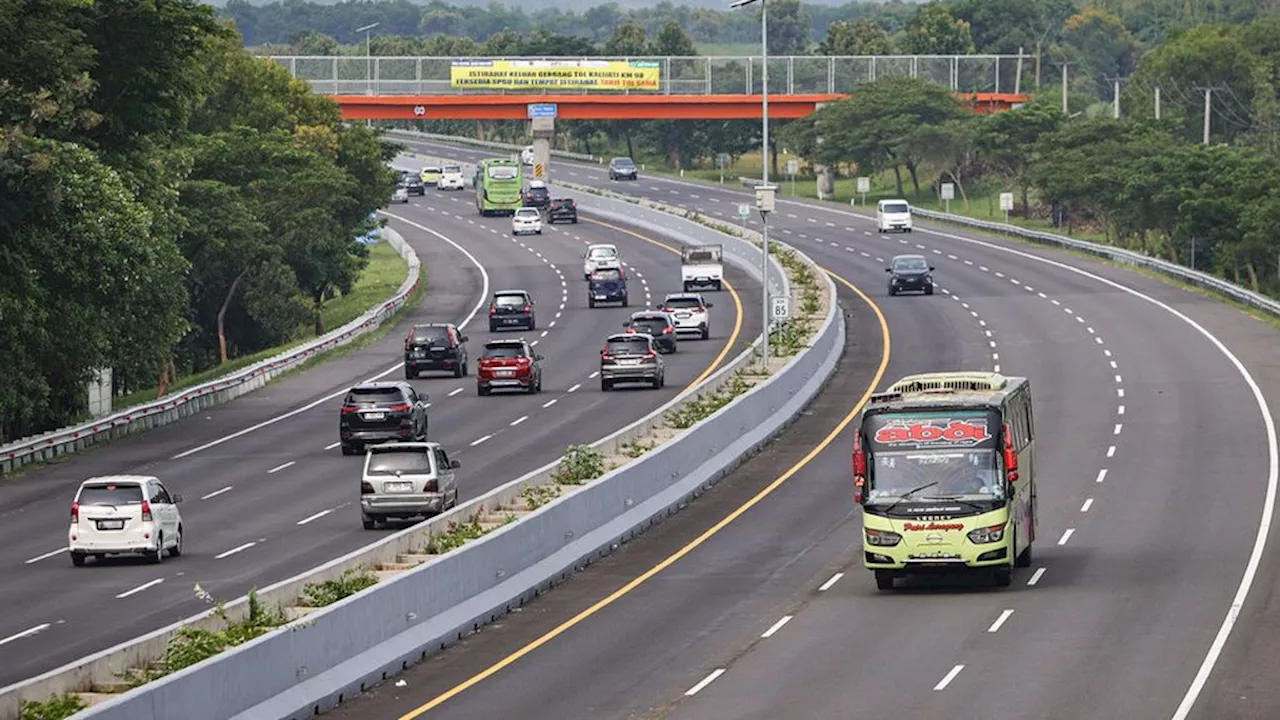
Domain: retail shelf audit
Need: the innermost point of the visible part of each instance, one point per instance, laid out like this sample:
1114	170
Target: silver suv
631	357
689	313
406	480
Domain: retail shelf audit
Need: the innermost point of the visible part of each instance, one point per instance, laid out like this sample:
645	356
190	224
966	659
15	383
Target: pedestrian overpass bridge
648	88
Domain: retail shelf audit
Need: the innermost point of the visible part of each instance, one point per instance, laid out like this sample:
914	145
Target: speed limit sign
780	308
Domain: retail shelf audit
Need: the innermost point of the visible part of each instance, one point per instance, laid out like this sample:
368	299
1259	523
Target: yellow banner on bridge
551	75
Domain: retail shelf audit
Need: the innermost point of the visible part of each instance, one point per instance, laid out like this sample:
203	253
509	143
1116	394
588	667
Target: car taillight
400	407
524	360
650	355
431	486
146	511
668	330
366	488
348	409
631	331
75	512
493	310
606	356
667	309
528	308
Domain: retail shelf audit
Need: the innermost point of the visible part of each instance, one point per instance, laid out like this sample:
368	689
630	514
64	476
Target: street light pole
368	54
764	169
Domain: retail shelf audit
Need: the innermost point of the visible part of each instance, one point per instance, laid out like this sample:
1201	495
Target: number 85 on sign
780	308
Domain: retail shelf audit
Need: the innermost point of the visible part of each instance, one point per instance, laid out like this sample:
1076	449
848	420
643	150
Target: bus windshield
935	474
503	172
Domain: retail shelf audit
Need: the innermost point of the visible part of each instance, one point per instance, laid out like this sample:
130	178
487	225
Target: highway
267	493
1156	466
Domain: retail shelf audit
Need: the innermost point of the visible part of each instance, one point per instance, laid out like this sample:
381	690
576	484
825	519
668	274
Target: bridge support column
543	129
826	181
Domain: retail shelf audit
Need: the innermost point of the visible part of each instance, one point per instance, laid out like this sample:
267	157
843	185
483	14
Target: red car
508	365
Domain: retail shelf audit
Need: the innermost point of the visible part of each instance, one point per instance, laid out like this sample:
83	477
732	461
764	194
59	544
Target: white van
124	515
526	155
893	215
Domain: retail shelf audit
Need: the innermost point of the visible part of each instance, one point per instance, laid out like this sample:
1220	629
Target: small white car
526	155
124	515
599	256
451	178
689	313
401	195
526	220
893	215
406	480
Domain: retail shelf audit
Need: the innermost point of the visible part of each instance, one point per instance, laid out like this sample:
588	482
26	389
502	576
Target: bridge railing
720	75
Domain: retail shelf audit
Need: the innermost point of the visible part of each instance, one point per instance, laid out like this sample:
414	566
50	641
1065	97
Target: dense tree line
169	200
1148	184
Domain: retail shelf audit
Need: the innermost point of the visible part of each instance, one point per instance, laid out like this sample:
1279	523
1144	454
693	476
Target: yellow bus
944	469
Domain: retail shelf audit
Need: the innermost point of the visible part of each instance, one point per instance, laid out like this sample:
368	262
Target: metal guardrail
1119	255
748	422
187	402
678	75
456	140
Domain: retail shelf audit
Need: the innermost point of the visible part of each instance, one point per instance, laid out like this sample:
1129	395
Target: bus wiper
908	494
970	503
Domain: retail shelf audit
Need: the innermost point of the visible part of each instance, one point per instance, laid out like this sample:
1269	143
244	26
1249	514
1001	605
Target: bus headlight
882	538
981	536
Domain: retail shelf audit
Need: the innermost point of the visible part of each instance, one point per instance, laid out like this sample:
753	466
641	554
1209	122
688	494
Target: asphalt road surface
267	492
1156	466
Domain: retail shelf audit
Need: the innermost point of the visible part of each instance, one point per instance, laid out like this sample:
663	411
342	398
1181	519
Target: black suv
435	346
379	412
659	325
607	285
511	309
623	169
563	209
910	273
412	182
537	195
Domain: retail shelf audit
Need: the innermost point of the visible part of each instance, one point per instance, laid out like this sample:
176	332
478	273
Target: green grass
378	282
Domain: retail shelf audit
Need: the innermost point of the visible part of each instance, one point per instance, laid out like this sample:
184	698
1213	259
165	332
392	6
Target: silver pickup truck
701	267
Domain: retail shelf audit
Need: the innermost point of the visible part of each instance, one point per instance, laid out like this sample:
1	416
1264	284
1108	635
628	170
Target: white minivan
124	515
893	215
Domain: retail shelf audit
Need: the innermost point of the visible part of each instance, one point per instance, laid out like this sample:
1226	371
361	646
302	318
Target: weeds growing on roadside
331	591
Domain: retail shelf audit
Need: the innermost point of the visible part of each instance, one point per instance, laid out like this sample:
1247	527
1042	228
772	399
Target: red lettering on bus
956	431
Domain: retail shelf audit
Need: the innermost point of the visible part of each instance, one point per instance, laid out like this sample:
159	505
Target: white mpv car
893	215
598	257
526	220
451	178
689	313
124	515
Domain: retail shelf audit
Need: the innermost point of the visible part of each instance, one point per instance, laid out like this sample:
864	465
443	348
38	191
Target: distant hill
531	6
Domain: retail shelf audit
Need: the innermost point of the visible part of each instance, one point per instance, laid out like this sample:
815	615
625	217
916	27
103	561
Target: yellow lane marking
671	559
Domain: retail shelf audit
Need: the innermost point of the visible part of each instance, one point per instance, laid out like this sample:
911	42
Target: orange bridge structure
651	88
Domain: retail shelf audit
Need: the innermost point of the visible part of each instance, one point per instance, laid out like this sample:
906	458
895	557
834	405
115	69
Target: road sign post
864	187
1006	204
948	194
722	162
793	167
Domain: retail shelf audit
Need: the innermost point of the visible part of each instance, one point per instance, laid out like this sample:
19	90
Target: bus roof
499	161
947	388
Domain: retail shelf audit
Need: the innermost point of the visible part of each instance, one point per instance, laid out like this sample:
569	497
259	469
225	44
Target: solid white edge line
25	633
776	627
827	585
946	680
484	297
140	588
704	682
1004	616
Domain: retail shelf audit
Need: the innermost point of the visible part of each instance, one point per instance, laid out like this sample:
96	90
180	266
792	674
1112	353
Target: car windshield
628	346
684	303
409	177
941	474
503	172
108	494
700	256
561	202
507	350
607	274
430	336
624	163
509	300
652	326
601	252
896	208
453	169
910	264
428	170
406	461
526	214
373	395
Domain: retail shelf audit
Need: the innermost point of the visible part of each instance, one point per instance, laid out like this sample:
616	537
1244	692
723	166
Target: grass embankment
378	281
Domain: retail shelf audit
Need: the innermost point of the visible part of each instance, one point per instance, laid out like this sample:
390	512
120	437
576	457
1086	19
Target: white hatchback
124	515
526	220
689	313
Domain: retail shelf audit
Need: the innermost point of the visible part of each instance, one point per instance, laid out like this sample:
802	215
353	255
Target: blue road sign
542	110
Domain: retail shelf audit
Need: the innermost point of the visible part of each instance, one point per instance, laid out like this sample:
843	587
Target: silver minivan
406	480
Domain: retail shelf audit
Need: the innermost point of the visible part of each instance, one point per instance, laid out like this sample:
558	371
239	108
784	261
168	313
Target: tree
1102	45
1003	26
789	27
935	31
310	42
673	41
1008	139
628	40
950	148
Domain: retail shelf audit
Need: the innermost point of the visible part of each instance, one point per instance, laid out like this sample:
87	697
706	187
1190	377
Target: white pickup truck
701	267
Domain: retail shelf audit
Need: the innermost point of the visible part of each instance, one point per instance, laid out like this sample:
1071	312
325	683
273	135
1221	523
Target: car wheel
176	550
928	290
575	221
368	521
157	556
410	374
538	231
493	328
1002	576
1024	558
465	369
624	302
719	286
533	324
706	333
77	559
884	581
348	450
605	385
482	390
457	370
591	303
892	292
657	382
686	287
